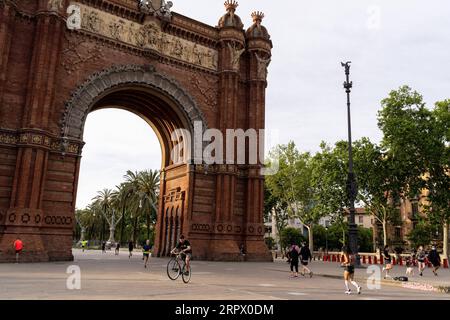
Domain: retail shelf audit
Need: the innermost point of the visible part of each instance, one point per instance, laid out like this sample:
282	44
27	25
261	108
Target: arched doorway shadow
166	107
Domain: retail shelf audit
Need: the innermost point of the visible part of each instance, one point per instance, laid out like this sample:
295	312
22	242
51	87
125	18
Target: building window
398	233
415	210
361	219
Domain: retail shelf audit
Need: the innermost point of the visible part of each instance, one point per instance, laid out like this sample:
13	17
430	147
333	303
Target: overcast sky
390	43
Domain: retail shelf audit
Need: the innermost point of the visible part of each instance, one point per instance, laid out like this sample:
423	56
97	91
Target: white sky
408	44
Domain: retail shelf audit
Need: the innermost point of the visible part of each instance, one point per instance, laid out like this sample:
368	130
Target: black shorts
304	263
350	269
184	255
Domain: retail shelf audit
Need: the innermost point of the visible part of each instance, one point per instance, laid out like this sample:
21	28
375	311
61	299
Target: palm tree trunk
135	230
148	227
122	226
102	235
384	233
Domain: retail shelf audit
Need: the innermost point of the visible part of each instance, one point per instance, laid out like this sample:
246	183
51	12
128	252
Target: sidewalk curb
407	285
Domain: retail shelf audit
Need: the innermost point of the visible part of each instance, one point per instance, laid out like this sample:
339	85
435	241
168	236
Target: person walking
130	249
18	247
306	256
421	256
348	263
294	253
103	247
435	259
146	252
117	248
387	261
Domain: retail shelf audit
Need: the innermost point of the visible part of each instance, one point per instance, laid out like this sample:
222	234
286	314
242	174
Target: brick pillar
25	212
259	53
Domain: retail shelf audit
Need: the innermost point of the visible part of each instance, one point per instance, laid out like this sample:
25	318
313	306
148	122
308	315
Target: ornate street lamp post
351	181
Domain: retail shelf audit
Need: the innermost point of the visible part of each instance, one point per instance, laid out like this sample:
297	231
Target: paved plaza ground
110	277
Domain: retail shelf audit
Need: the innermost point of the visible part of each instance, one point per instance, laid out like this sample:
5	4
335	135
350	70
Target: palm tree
132	187
149	192
104	200
121	201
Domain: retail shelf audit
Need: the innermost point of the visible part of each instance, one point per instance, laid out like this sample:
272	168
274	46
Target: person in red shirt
18	246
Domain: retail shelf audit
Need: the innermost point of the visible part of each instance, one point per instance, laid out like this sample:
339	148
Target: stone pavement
109	277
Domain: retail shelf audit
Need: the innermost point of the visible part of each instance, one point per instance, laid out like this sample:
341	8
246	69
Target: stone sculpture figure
55	5
235	56
262	66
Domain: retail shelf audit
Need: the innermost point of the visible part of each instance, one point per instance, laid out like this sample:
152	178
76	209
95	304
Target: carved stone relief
147	36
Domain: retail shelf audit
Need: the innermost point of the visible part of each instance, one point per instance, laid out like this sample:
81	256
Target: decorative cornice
34	138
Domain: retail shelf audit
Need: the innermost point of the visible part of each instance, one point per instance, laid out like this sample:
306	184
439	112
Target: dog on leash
409	271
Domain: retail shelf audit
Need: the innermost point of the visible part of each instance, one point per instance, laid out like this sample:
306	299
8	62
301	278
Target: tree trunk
344	240
384	233
102	237
310	238
148	227
135	230
122	226
445	240
83	234
112	230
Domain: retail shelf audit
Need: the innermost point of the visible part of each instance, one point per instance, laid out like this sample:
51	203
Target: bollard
381	260
370	259
445	263
394	262
333	258
375	261
364	260
400	261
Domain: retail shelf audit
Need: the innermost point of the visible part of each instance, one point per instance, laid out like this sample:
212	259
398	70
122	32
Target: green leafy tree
378	183
418	139
290	236
293	185
421	235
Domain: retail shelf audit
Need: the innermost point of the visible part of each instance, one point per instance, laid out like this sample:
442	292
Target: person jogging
348	263
103	247
294	254
130	249
435	259
306	257
117	249
146	252
18	247
421	256
83	245
387	261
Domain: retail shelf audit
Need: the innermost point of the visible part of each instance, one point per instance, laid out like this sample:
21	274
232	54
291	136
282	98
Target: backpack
293	254
404	279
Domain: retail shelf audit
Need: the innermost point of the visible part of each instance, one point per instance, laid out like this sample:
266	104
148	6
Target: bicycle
176	267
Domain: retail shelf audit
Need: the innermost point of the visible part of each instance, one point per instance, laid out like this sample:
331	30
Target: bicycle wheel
186	275
173	269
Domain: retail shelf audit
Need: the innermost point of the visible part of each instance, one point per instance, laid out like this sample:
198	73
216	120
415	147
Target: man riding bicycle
184	249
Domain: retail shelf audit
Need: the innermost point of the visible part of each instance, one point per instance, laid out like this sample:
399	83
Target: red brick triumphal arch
62	59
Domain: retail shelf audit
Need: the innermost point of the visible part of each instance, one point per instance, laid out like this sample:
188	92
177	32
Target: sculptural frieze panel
146	36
